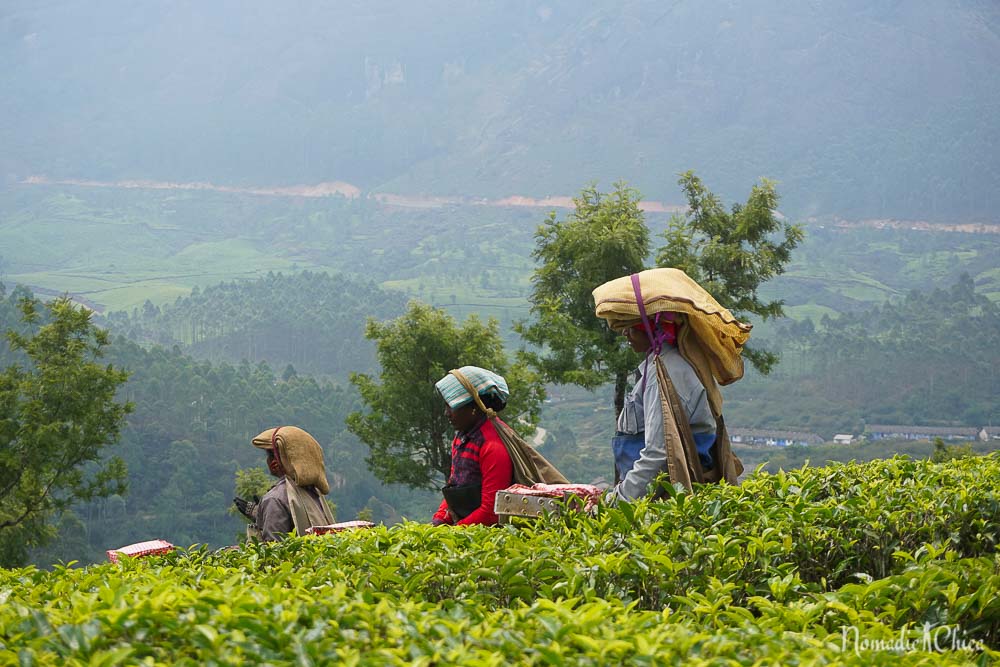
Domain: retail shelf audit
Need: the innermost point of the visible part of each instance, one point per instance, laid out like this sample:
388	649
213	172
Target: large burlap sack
299	453
718	333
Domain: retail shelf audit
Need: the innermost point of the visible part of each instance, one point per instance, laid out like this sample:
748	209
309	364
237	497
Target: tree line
309	320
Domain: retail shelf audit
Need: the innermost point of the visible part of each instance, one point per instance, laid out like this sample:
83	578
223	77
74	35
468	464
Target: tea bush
848	564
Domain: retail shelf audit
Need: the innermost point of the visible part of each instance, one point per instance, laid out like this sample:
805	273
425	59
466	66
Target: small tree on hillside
405	428
604	238
57	414
732	253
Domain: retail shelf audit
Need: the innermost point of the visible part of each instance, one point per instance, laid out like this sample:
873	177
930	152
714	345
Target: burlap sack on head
709	336
299	453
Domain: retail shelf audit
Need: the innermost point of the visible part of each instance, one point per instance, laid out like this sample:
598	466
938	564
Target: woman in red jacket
480	464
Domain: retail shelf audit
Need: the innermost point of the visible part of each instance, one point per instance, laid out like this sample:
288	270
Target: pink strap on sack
645	325
642	311
657	337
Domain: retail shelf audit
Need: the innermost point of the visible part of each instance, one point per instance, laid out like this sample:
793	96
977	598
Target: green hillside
857	110
311	321
114	249
130	246
928	358
849	564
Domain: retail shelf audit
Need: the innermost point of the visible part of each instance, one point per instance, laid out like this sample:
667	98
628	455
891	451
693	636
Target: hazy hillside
931	358
857	109
312	321
115	248
417	114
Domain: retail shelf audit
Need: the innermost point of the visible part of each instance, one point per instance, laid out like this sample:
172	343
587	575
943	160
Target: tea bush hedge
846	564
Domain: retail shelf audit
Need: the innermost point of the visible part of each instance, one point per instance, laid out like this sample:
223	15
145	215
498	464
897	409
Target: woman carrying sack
672	419
296	501
487	456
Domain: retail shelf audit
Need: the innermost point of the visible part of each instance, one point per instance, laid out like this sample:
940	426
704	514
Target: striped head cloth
485	382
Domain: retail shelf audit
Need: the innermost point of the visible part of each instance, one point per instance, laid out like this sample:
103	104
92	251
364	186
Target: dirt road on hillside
349	191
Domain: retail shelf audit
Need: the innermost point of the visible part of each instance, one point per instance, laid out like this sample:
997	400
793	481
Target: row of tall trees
309	320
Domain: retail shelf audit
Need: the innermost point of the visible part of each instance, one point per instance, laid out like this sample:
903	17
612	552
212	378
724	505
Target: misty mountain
858	109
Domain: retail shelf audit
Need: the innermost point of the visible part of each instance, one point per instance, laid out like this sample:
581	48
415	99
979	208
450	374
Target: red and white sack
141	549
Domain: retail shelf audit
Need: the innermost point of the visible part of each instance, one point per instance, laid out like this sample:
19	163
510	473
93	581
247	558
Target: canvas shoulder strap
728	466
683	465
306	512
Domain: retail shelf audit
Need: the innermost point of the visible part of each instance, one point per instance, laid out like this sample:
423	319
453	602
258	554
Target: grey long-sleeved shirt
274	516
643	413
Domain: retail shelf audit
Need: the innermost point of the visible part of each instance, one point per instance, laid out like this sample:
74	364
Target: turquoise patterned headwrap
486	383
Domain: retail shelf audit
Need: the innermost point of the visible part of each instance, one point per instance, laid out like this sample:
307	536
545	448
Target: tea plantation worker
480	463
672	418
295	502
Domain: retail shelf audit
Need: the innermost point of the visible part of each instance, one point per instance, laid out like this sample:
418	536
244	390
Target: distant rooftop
966	431
767	434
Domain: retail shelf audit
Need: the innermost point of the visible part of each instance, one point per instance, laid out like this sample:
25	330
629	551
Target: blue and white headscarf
485	382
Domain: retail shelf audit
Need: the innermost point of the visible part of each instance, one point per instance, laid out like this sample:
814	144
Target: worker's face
274	465
463	418
637	339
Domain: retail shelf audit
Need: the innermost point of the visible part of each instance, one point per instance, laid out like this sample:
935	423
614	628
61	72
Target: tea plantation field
888	562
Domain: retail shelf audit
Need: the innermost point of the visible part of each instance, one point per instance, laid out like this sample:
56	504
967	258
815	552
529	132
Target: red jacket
479	456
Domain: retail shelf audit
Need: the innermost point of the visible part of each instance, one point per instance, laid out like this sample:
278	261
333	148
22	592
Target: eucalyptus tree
732	253
605	237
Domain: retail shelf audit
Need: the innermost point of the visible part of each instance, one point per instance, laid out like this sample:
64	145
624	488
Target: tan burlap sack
306	512
299	453
709	336
683	464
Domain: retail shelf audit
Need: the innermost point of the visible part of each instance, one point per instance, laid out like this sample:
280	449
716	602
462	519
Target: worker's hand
247	508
